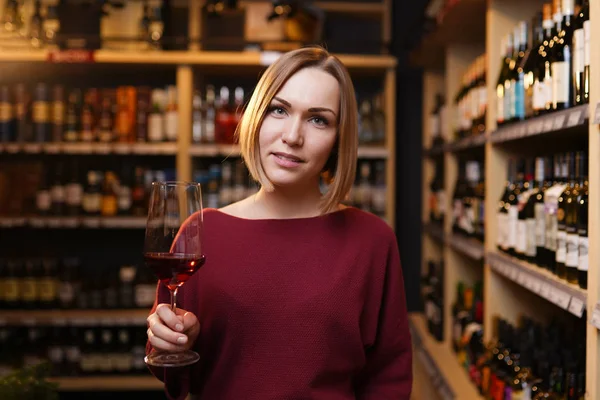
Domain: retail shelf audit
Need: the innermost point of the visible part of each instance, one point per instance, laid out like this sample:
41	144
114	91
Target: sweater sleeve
388	371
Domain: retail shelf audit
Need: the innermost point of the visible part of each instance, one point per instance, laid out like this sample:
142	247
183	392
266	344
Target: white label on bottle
530	237
521	236
512	99
156	128
91	202
586	38
500	103
539	95
560	82
540	225
578	51
74	194
501	229
43	200
513	218
572	258
561	246
378	199
66	294
171	118
5	111
58	193
144	295
583	253
124	199
58	112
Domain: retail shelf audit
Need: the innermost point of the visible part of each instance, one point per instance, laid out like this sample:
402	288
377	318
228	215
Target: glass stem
174	299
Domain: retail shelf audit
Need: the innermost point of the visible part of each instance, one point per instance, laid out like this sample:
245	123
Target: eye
319	121
277	111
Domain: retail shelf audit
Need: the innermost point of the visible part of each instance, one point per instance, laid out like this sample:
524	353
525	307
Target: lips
287	160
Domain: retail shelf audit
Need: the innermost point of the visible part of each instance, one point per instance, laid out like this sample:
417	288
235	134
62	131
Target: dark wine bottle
561	214
572	259
562	62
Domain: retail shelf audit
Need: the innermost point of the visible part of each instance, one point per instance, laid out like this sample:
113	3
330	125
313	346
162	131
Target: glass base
163	359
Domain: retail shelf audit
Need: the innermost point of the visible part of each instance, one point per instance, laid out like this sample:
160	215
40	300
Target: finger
163	332
159	344
169	318
189	320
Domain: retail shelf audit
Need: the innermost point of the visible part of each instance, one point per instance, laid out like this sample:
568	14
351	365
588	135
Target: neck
282	203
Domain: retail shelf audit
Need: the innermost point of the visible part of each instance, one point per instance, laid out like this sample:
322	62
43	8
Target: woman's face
300	128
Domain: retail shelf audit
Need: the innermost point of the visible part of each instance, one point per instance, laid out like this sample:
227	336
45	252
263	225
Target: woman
300	297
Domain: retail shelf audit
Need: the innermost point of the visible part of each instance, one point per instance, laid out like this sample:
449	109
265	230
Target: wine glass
173	248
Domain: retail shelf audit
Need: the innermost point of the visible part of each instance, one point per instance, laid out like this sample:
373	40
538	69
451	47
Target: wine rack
513	286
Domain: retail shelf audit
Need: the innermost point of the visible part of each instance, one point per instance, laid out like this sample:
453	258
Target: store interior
478	144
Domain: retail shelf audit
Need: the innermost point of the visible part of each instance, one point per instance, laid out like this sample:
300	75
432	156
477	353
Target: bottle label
41	112
540	225
510	99
66	293
561	246
58	194
124	198
586	38
513	218
156	128
109	205
47	289
530	237
560	82
28	289
171	118
377	200
578	51
58	112
539	95
6	112
519	98
144	295
521	236
501	217
11	290
74	194
583	253
500	103
572	257
43	200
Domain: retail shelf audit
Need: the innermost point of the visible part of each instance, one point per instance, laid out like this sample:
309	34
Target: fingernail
182	339
179	327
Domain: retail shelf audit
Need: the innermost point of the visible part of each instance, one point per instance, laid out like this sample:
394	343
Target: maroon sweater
309	308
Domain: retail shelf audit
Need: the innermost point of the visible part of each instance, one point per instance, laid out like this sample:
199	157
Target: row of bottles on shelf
467	323
543	218
432	295
125	114
50	283
545	63
468	200
470	104
530	361
77	348
62	189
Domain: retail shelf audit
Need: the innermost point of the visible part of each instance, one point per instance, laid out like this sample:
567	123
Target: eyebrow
312	109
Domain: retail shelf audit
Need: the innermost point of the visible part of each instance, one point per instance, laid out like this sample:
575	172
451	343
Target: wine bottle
518	109
551	206
535	215
578	57
582	230
561	234
543	83
501	96
502	214
531	62
585	18
513	210
572	207
523	215
562	64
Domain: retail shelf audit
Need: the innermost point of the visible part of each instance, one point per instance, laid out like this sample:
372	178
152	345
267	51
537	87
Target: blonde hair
340	169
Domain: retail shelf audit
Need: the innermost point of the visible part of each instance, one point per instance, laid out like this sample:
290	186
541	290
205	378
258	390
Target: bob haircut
340	169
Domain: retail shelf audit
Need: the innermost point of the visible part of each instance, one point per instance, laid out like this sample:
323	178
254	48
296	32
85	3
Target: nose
292	134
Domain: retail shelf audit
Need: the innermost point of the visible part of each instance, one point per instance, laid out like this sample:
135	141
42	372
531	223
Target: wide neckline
281	220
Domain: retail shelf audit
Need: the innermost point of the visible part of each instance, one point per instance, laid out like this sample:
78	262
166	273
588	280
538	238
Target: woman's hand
169	331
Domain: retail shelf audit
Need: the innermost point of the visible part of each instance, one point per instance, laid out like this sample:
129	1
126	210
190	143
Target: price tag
576	307
537	286
545	291
71	56
122	148
269	57
548	125
70	148
597	114
563	299
12	148
70	222
523	131
32	148
596	317
5	222
103	148
54	222
522	279
574	118
52	148
37	222
91	222
559	122
514	273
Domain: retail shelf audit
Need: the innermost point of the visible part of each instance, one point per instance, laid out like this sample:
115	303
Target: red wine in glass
173	249
173	269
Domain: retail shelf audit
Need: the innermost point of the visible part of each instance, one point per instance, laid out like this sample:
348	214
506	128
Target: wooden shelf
468	143
18	317
197	58
108	383
470	247
435	231
90	148
540	281
74	222
555	122
447	376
